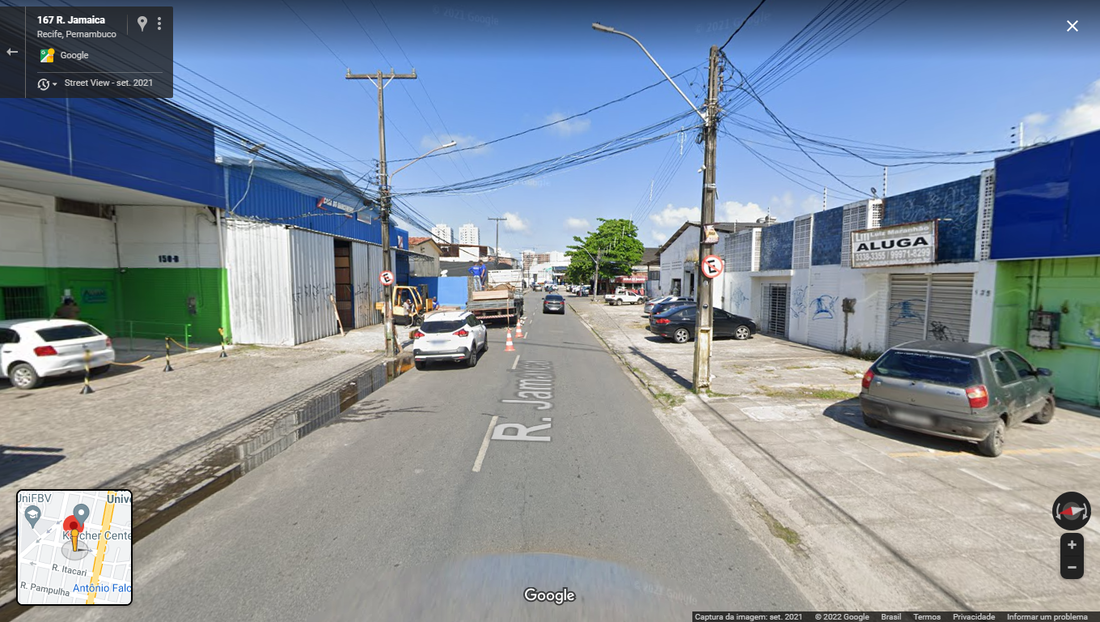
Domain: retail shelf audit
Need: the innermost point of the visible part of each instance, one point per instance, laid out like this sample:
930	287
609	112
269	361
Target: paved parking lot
902	519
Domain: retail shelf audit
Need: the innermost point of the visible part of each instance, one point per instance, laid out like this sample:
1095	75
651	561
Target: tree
616	243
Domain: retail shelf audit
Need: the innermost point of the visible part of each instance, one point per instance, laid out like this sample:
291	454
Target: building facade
442	234
469	234
1047	251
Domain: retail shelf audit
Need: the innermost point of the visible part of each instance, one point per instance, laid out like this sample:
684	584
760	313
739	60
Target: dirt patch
812	393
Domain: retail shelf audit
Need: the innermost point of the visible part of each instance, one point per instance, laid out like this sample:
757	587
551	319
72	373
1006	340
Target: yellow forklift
410	304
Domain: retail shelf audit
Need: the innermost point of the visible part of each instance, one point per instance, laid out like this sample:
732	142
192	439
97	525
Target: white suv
449	336
31	350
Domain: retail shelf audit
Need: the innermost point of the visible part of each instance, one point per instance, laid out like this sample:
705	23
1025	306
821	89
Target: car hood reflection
496	587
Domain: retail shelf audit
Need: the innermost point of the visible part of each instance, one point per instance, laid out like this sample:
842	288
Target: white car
449	336
31	350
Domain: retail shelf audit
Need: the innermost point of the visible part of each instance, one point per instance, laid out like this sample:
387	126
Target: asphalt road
383	515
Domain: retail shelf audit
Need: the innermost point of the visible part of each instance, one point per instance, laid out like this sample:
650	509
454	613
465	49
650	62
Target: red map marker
74	527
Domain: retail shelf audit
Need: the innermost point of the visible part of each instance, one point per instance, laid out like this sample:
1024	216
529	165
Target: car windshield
64	333
442	326
944	369
554	298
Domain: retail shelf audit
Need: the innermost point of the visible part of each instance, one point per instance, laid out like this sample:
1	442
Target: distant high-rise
469	234
442	233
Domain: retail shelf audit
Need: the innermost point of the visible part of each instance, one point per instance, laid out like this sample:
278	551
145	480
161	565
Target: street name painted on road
536	387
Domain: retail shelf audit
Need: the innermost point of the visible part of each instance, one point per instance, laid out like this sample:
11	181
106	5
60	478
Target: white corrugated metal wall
258	270
313	278
366	264
923	307
823	308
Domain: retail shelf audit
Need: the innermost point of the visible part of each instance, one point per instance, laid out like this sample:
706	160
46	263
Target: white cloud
462	142
786	201
674	216
735	211
658	237
811	203
567	128
514	223
1082	117
580	224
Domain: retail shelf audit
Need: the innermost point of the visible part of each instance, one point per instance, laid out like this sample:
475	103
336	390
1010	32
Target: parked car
624	296
449	336
678	324
553	303
671	304
648	308
31	350
958	390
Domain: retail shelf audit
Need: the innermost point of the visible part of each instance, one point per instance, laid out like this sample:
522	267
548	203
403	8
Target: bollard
167	356
221	331
87	373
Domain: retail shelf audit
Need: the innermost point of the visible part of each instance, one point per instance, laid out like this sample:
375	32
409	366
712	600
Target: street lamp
704	317
384	199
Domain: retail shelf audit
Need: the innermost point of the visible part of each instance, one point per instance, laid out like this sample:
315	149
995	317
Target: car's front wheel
994	444
23	376
421	365
1044	415
742	332
682	335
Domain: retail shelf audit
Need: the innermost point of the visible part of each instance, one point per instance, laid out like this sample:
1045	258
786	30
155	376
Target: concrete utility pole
384	192
700	379
496	248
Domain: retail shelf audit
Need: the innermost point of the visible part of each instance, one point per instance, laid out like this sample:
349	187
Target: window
1023	368
64	333
8	335
1003	369
802	245
944	369
442	326
80	208
23	302
688	313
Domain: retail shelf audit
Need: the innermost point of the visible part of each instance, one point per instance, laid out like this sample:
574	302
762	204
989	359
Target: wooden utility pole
384	193
705	311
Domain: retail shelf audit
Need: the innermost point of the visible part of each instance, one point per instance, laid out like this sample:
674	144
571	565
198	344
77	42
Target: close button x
1072	26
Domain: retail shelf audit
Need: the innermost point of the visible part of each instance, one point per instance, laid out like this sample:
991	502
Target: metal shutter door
907	312
823	309
949	311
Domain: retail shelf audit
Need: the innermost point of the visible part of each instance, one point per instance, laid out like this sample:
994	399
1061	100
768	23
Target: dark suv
965	391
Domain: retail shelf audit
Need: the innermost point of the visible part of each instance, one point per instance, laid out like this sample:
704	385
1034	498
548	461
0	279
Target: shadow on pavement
19	462
668	371
849	414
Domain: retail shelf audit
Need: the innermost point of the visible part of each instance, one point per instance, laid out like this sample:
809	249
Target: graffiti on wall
1090	322
823	307
313	295
798	301
942	332
738	298
903	312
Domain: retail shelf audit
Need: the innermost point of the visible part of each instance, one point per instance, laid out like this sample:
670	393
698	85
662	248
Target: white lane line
988	481
515	363
485	442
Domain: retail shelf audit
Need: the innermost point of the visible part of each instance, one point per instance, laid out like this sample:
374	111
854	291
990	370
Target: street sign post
712	266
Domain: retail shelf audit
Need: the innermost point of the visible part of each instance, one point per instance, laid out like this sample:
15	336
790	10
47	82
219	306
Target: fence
154	330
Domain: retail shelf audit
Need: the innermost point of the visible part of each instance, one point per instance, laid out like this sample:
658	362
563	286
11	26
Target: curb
819	558
188	474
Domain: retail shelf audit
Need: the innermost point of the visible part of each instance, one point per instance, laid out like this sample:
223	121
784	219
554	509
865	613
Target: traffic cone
508	347
519	330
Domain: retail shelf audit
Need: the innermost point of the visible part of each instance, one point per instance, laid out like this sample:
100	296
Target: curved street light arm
448	145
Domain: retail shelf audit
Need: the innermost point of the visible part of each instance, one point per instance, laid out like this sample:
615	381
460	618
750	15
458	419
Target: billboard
901	245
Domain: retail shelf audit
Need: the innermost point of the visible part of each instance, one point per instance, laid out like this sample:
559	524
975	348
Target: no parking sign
712	266
386	278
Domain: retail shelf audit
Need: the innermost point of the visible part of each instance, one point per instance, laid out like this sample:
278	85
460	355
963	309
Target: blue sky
929	75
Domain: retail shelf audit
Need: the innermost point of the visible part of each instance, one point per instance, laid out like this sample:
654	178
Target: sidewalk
868	519
54	437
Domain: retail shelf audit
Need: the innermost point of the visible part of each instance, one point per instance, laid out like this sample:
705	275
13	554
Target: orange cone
519	330
508	347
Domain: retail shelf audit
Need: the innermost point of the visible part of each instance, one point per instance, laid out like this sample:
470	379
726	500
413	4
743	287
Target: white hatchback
31	350
449	336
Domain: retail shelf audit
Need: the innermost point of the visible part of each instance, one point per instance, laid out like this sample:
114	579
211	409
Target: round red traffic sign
386	278
712	266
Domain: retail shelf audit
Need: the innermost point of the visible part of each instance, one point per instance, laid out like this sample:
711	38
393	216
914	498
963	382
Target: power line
742	25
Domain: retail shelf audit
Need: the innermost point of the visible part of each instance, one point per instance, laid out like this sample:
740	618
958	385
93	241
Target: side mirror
1043	371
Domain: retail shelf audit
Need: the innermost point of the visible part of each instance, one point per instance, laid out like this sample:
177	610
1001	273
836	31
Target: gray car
964	391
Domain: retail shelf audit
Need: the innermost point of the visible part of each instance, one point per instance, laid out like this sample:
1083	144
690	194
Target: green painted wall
153	302
1071	287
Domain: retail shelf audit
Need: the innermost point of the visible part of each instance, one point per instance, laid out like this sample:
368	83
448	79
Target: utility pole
496	249
596	276
701	371
384	193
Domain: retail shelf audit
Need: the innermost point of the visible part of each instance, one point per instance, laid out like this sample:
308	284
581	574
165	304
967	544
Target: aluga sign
903	245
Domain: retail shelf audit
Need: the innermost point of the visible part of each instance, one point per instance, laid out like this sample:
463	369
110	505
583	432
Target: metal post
167	356
221	331
704	317
87	373
496	248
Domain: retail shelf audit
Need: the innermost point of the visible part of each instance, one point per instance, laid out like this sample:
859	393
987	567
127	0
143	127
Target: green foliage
616	243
